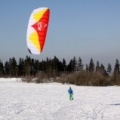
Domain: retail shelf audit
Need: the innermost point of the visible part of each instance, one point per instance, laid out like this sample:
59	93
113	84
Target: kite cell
37	30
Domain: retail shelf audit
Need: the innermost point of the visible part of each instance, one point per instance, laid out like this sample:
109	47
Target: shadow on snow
115	104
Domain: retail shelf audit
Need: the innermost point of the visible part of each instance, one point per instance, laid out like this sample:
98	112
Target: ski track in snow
50	101
80	113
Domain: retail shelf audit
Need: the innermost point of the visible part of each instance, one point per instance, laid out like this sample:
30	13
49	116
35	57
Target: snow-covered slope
50	101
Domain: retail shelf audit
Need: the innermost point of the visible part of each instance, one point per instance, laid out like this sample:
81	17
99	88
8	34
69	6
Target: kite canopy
37	30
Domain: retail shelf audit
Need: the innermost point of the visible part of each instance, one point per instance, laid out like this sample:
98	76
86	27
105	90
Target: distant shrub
82	77
27	79
85	78
115	79
40	78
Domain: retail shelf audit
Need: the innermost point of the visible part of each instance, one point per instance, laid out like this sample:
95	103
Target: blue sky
80	28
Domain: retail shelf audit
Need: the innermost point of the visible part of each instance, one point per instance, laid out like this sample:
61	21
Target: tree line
54	67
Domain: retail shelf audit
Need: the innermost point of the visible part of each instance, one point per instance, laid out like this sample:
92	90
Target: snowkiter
70	91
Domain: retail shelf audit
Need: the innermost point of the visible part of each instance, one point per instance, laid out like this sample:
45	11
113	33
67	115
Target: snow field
50	101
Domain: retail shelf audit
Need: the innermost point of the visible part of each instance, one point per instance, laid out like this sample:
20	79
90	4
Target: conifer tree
97	66
64	65
74	64
109	68
21	67
12	66
80	65
117	66
1	68
27	64
116	71
7	68
91	65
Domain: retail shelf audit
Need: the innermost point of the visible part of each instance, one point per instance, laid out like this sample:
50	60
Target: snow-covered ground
50	101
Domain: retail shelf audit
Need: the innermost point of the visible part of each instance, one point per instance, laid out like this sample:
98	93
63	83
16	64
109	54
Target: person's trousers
71	96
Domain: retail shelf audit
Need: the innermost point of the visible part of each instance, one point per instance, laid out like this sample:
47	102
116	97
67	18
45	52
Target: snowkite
37	30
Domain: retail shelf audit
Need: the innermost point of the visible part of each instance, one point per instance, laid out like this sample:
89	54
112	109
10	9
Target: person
70	91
